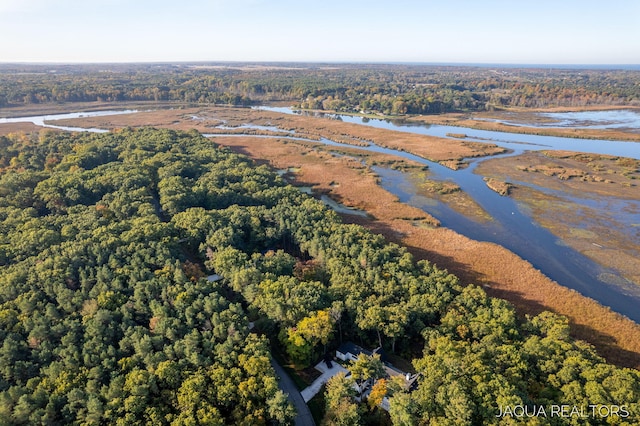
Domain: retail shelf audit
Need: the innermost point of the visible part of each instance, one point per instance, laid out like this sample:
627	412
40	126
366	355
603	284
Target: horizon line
339	62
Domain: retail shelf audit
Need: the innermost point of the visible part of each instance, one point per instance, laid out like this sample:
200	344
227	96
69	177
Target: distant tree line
384	89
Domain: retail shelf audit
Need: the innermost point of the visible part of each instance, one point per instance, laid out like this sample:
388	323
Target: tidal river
513	227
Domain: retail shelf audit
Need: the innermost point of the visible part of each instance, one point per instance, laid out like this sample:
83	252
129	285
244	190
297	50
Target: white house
349	351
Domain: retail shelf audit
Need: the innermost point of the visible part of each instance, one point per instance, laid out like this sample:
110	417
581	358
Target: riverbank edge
499	271
456	119
466	120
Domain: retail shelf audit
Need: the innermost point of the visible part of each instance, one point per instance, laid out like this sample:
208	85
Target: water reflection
503	139
44	120
513	226
610	119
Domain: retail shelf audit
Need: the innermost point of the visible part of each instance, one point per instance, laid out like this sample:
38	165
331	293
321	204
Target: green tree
366	370
280	409
341	407
403	409
299	349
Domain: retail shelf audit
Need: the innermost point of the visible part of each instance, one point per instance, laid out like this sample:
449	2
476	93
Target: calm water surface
611	119
43	120
515	141
512	226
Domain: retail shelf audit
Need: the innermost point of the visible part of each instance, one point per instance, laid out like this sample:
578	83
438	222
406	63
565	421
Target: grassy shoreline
500	272
589	231
477	120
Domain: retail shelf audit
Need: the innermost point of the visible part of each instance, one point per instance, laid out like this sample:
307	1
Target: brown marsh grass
593	231
478	121
7	128
502	273
432	148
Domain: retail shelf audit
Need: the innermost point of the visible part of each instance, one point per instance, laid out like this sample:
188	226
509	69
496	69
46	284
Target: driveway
304	417
327	373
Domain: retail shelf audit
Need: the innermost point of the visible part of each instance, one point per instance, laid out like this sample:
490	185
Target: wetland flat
591	202
346	175
545	122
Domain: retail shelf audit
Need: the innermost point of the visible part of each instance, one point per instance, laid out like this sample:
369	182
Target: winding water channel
511	226
43	120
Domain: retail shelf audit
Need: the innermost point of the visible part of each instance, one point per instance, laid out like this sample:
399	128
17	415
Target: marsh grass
478	121
501	272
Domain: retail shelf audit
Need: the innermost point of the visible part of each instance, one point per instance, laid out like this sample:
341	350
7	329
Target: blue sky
476	31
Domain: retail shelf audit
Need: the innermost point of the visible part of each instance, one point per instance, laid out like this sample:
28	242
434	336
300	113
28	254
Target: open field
347	180
61	108
7	128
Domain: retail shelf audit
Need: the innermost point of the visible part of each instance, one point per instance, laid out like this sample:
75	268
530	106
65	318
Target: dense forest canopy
107	315
387	89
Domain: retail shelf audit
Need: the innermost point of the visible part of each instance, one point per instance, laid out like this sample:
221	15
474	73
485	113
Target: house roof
392	371
352	348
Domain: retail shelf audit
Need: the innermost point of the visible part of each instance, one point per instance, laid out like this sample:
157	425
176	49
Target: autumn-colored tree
377	394
317	327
